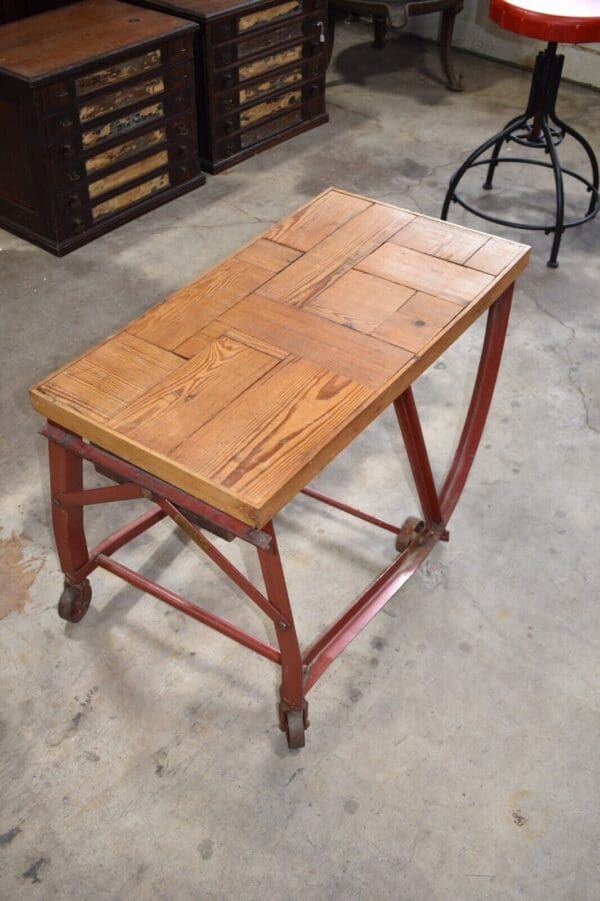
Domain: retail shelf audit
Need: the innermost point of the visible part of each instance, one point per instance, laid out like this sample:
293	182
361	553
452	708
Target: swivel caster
74	601
294	729
409	532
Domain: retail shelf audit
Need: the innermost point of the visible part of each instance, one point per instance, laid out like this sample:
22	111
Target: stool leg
567	129
496	139
453	81
517	121
560	195
330	34
293	707
66	475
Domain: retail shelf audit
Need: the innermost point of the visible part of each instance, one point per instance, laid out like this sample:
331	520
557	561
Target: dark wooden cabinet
97	117
11	10
260	72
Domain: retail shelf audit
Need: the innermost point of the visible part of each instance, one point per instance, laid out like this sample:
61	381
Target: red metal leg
293	708
408	419
491	354
66	475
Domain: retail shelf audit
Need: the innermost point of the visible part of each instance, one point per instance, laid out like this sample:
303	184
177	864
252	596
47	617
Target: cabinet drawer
252	136
265	41
257	68
254	114
254	90
179	131
122	71
244	24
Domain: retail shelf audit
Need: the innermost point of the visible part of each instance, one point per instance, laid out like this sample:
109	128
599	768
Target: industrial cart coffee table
222	403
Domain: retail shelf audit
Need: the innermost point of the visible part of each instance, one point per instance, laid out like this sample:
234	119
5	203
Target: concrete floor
454	751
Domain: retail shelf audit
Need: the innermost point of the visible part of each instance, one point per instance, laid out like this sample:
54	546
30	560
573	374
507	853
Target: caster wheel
294	728
74	601
409	532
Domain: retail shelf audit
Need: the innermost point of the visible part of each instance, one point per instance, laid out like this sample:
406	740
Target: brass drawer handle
65	123
182	130
74	175
228	80
229	127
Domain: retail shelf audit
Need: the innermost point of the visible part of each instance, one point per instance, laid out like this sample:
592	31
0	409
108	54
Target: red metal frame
299	671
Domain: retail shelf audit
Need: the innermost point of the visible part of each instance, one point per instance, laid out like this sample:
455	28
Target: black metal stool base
534	129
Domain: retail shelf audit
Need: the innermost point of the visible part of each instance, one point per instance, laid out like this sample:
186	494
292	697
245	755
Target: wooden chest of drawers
260	72
97	117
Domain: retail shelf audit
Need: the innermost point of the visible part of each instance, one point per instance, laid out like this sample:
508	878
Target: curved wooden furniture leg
379	32
293	707
331	17
491	354
454	81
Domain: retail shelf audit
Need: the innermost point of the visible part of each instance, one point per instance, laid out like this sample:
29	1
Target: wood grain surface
241	386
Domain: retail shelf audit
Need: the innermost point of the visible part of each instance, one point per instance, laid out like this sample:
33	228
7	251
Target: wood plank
200	340
257	343
268	255
406	331
311	224
187	311
111	376
358	357
431	309
256	447
359	301
425	273
495	255
180	404
335	255
440	239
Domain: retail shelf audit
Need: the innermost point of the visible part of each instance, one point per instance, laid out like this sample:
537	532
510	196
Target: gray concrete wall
475	31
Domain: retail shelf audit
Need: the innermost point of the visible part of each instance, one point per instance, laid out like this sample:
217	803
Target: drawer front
180	132
112	75
65	124
97	135
116	100
269	128
257	68
254	114
246	23
132	195
182	162
269	41
252	91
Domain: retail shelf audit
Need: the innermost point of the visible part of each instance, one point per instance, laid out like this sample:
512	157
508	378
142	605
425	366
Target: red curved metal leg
66	475
491	354
292	682
410	426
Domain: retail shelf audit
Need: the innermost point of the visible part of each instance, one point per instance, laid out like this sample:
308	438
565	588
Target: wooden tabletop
242	386
37	47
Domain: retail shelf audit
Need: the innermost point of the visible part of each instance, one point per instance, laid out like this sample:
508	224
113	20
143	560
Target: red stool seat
557	21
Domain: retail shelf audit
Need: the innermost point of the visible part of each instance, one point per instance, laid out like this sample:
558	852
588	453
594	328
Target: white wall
475	31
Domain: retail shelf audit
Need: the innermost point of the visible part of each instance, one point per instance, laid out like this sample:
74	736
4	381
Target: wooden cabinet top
201	10
80	34
240	387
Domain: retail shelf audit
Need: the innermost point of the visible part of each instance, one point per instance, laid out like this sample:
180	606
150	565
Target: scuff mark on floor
17	575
